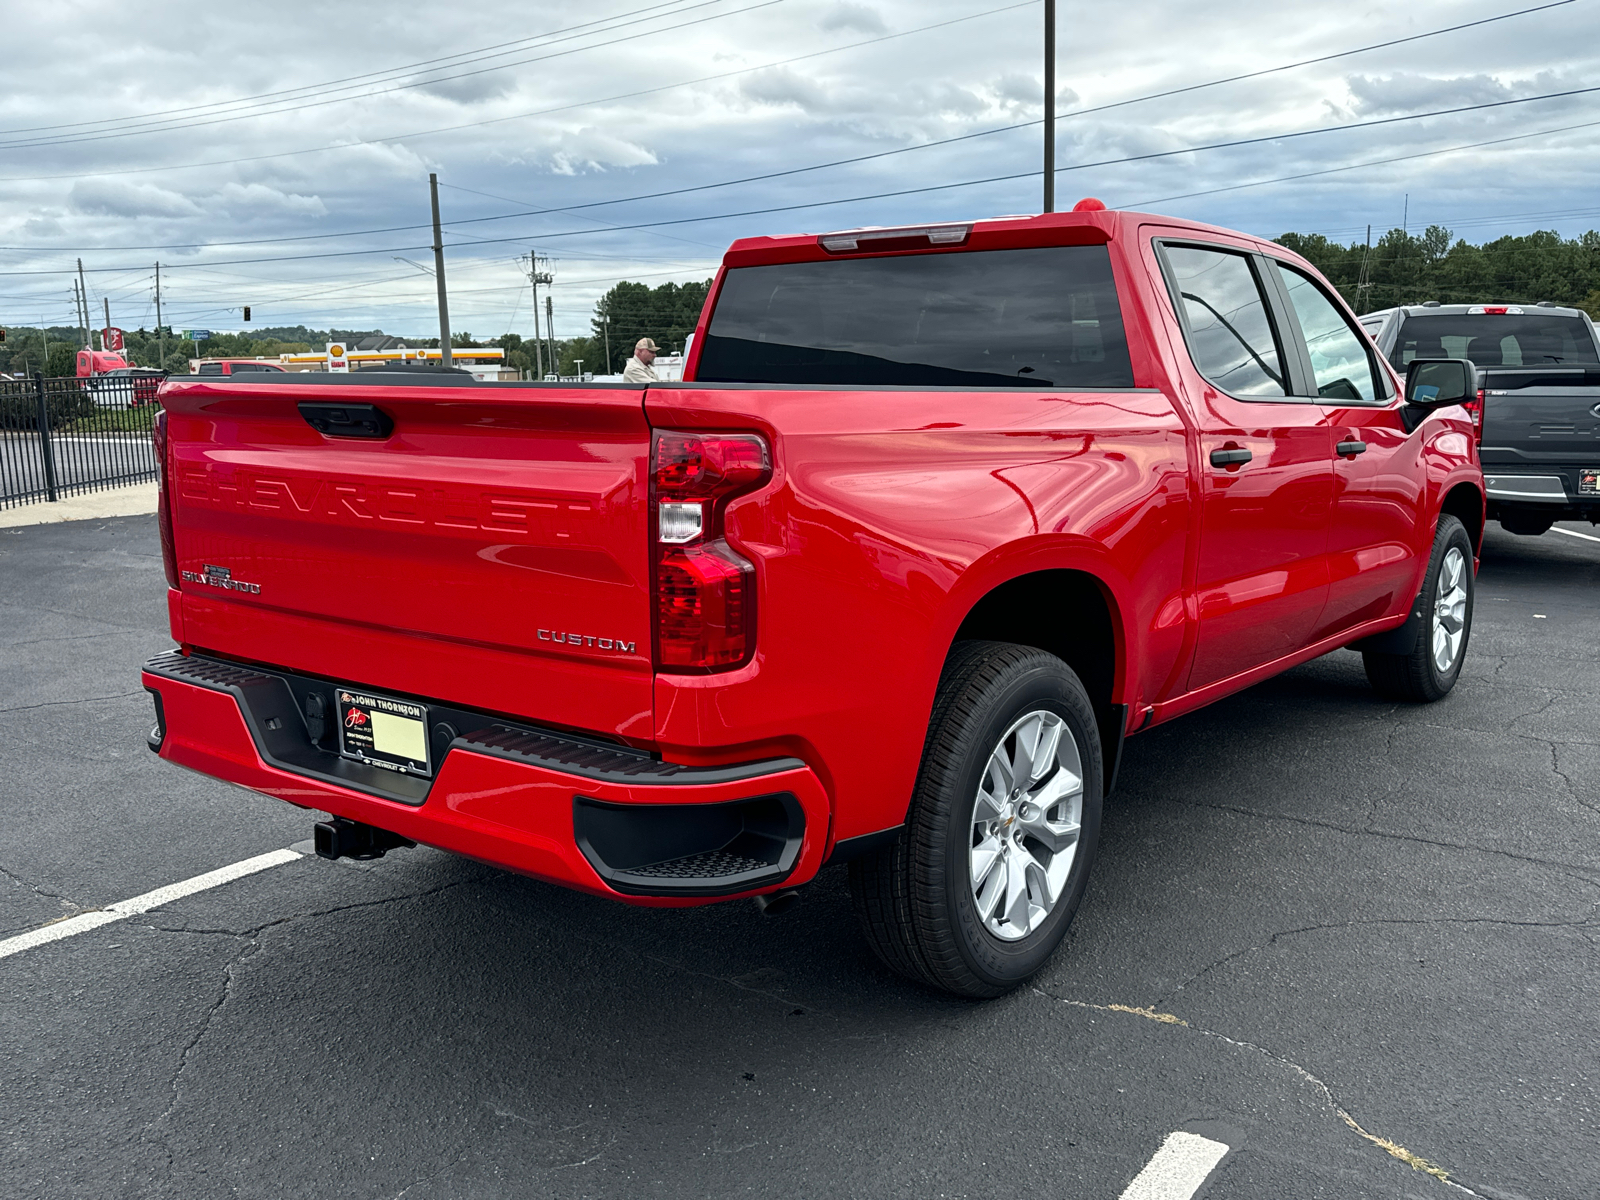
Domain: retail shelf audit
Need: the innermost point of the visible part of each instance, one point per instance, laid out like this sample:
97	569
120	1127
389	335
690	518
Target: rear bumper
576	813
1545	490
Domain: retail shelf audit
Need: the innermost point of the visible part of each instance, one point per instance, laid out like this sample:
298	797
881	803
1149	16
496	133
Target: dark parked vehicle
1538	405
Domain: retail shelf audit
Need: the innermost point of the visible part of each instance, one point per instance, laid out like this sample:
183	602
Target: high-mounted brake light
863	239
1494	310
158	445
705	590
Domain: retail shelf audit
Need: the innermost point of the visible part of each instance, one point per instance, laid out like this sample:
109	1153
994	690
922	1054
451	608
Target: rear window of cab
1042	317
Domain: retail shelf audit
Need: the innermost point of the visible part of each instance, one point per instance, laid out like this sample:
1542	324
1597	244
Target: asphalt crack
37	890
1366	922
1415	1161
1575	871
81	700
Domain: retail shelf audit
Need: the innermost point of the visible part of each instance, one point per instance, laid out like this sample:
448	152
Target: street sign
197	335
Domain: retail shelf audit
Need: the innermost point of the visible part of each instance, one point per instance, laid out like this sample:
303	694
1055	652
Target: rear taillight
158	443
1474	409
705	591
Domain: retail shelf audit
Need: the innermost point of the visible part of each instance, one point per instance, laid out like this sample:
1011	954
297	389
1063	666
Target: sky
279	156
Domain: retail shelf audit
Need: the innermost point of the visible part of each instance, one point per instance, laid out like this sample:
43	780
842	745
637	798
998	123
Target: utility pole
605	324
83	293
1049	105
107	325
1364	280
550	329
161	330
538	272
438	275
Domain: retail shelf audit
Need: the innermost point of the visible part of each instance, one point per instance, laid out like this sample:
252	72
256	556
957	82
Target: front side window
1230	334
1341	368
1043	317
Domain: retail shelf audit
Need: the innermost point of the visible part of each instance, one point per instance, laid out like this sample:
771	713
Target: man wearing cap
638	369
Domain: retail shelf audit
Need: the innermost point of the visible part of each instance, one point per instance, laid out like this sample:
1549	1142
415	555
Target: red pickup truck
938	516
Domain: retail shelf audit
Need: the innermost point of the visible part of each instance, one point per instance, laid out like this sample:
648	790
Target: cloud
1405	93
853	16
471	89
594	149
780	86
256	200
121	198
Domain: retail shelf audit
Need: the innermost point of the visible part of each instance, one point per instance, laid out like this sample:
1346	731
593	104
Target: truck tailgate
492	551
1541	415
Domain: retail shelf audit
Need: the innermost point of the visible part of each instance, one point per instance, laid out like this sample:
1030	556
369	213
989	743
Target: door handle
1230	458
1351	448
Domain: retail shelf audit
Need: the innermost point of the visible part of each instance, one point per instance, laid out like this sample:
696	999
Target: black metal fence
64	437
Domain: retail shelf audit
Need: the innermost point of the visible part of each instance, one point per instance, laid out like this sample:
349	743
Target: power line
574	208
1377	162
1233	144
404	68
175	125
536	113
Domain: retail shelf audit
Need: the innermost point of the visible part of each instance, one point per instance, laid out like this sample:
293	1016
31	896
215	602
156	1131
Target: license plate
382	731
1589	482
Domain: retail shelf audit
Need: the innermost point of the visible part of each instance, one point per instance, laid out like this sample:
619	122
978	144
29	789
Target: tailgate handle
347	420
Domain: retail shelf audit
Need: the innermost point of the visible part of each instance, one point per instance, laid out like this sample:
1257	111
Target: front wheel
992	863
1434	664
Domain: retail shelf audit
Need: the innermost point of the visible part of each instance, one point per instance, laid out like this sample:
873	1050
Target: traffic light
2	335
246	312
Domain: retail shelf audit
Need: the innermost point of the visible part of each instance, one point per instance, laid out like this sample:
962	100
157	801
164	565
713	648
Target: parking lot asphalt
1353	940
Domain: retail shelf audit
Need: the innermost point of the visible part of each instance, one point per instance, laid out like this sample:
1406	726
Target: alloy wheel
1450	610
1025	825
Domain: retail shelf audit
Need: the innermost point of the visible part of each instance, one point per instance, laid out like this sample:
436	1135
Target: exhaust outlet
341	838
775	904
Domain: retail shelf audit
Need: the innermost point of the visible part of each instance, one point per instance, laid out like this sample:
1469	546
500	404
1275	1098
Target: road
1355	942
79	458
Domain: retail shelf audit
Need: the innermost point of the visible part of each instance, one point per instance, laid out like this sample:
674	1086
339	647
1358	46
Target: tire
1432	667
1030	849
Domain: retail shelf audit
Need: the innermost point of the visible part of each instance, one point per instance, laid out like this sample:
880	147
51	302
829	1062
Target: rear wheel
992	863
1431	669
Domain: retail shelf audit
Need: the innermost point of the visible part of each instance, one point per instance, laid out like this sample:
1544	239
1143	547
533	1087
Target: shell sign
336	357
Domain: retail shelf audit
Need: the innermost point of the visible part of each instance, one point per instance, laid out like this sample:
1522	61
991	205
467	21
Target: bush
65	400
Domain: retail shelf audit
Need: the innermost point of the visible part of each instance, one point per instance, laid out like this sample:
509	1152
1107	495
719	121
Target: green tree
1403	269
667	313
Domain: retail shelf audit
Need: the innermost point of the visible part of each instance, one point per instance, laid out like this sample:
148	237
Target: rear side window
1496	340
1044	317
211	368
1229	333
1341	366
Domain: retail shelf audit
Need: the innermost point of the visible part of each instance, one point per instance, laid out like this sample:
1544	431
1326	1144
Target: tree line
1402	268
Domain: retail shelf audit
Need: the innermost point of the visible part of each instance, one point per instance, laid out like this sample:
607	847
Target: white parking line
1588	537
84	922
1178	1168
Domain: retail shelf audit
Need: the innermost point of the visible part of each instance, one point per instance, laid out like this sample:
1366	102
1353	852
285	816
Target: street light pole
1049	105
438	275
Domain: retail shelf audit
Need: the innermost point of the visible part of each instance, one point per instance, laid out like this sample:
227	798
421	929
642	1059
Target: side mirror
1437	382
